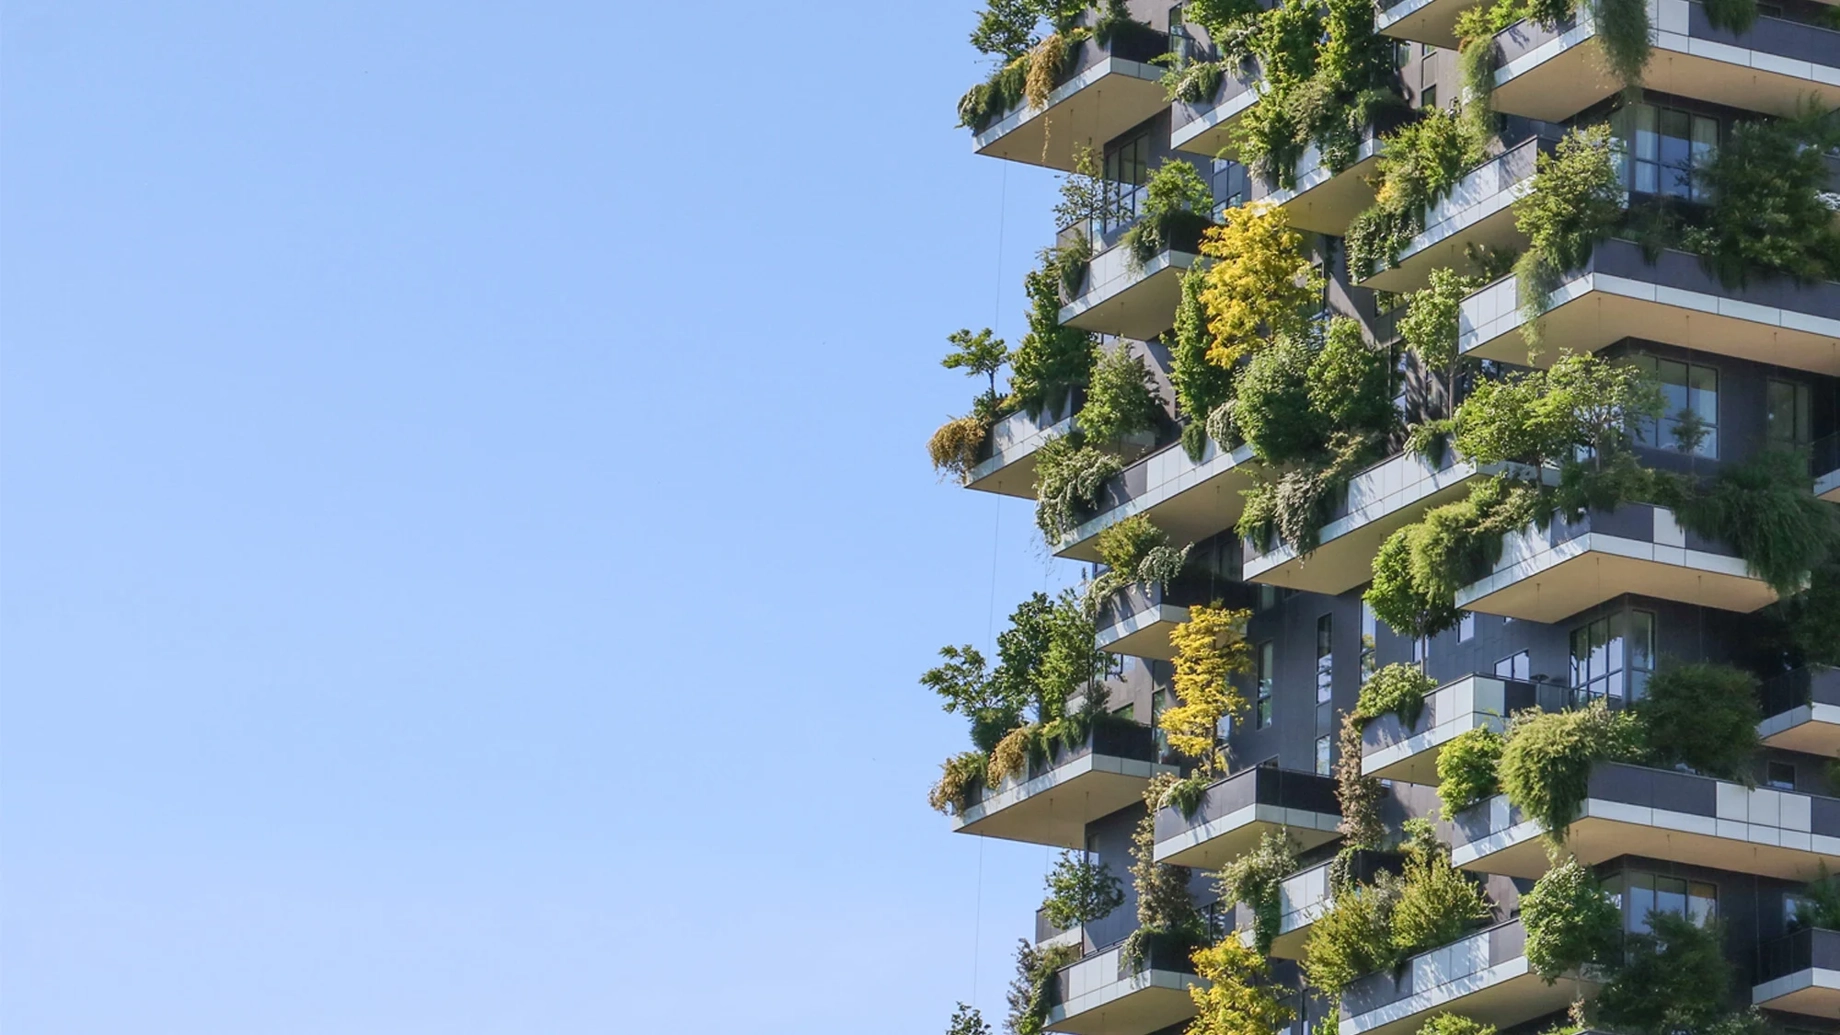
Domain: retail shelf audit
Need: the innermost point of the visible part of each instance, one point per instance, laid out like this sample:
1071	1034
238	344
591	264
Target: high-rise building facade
1442	400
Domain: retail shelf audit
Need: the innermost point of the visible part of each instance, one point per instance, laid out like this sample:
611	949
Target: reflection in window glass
1689	390
1370	634
1322	756
1613	656
1325	658
1266	674
1646	893
1790	414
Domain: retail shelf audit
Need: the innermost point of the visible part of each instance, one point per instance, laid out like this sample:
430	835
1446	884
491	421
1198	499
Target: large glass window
1325	658
1267	672
1322	756
1127	169
1370	637
1691	394
1638	894
1613	656
1516	666
1661	147
1791	414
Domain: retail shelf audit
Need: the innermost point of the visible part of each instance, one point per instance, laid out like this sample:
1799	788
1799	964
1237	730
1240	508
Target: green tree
1122	400
1703	716
966	1020
981	354
1080	890
1052	359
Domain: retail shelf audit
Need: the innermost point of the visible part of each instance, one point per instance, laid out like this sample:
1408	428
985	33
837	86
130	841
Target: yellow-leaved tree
1236	996
1209	649
1259	285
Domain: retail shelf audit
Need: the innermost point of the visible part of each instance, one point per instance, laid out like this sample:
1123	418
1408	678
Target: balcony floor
1136	306
1088	110
1503	995
1054	808
1559	581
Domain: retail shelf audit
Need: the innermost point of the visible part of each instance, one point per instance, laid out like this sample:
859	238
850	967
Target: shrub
1703	716
1763	508
955	446
1454	1024
1200	384
1419	568
1736	16
1622	35
1819	904
1209	649
1236	995
1574	200
1771	214
1569	920
1430	324
1353	937
1121	401
1546	763
1175	196
993	701
1466	769
1437	903
1357	795
1031	991
1080	890
1351	383
1272	404
952	794
1011	755
1165	909
1675	977
1258	284
1185	795
1068	478
1052	359
1398	689
1253	879
1125	543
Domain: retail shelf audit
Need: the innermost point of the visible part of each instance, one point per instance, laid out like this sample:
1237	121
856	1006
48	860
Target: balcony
1008	466
1378	501
1423	21
1325	201
1551	74
1053	802
1235	812
1129	300
1801	711
1098	996
1673	816
1305	896
1620	294
1483	976
1190	500
1392	750
1207	129
1800	974
1479	211
1824	458
1048	936
1102	92
1548	576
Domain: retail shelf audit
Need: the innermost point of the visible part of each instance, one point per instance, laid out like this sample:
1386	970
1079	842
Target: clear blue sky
466	543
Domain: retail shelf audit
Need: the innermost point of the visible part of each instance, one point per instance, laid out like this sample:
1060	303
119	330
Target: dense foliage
1176	198
1253	880
1357	796
1546	764
1398	689
1765	509
1570	921
1052	359
1259	284
1080	890
1069	475
1210	648
1031	992
1673	978
1575	200
1703	716
1773	212
1122	400
1201	385
1466	769
1236	995
1166	912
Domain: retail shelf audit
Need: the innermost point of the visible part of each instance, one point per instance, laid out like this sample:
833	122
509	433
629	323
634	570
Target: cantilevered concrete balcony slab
1138	619
1378	501
1674	816
1554	73
1098	996
1009	467
1304	896
1103	92
1053	802
1548	576
1129	300
1620	294
1325	201
1236	812
1423	21
1800	974
1478	212
1484	976
1191	500
1801	711
1393	750
1207	129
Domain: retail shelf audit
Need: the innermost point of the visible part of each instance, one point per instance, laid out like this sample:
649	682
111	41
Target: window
1639	894
1114	666
1691	391
1791	414
1662	146
1402	53
1229	185
1370	634
1466	627
1322	756
1780	775
1421	651
1268	597
1127	169
1128	713
1261	717
1325	658
1613	656
1427	98
1515	666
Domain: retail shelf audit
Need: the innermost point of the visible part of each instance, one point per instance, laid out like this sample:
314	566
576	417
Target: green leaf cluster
1545	766
1254	879
1703	716
1570	921
1398	689
1467	767
1080	890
